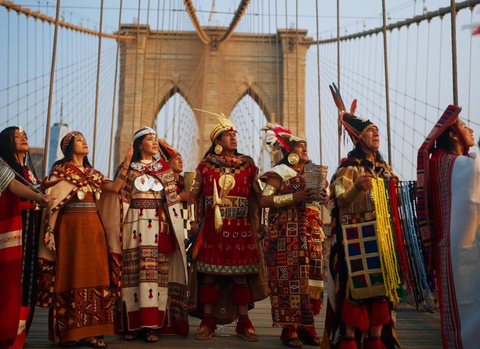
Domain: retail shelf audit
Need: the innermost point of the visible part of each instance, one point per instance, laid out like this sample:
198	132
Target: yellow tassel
386	244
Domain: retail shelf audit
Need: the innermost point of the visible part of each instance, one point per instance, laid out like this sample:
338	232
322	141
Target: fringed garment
154	278
19	312
355	278
293	249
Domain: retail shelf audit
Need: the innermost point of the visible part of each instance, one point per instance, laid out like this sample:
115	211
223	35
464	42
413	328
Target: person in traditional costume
358	306
19	229
294	229
76	280
175	161
227	269
448	182
154	273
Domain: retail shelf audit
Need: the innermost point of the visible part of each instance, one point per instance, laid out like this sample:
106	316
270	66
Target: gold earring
218	149
293	159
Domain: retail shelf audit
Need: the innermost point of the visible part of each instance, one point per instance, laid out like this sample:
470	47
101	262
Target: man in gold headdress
226	248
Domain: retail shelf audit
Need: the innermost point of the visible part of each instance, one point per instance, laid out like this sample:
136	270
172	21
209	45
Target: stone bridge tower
157	64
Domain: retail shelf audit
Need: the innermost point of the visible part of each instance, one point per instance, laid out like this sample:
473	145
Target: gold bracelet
283	200
121	176
195	188
192	212
269	190
351	194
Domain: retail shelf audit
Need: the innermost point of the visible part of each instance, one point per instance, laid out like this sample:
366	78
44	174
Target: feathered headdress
354	126
224	124
279	137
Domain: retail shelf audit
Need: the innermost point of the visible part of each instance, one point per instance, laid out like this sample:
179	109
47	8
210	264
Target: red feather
353	107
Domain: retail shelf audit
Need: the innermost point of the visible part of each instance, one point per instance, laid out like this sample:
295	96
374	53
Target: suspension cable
318	90
10	5
115	88
50	93
454	52
387	92
338	78
441	12
98	85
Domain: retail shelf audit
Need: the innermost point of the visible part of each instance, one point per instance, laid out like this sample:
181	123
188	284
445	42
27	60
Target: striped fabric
449	117
6	177
435	212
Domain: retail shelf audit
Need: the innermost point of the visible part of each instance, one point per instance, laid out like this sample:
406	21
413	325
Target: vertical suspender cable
318	80
387	93
454	52
50	93
338	74
98	84
296	68
286	74
136	68
115	89
279	114
144	61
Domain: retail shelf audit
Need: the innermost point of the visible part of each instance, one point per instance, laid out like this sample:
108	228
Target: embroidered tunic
154	291
355	272
293	255
232	251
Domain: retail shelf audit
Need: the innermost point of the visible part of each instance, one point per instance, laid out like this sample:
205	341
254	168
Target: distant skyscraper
57	132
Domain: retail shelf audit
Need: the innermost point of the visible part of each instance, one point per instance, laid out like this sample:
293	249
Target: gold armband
192	212
269	190
283	200
195	188
351	194
121	176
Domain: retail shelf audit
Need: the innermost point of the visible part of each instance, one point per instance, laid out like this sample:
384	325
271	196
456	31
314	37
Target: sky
419	67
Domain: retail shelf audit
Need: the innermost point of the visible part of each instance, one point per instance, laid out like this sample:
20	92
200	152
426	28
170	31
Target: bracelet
125	168
269	190
283	200
351	193
121	176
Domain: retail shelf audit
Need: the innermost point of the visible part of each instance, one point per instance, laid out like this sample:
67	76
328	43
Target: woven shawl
424	209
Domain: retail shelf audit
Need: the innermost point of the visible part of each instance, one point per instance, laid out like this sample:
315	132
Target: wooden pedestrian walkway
416	330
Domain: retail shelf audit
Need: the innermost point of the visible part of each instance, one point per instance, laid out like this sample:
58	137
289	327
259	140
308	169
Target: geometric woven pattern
362	256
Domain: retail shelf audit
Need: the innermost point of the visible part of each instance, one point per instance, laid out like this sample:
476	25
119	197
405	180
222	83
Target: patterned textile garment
6	177
154	281
315	238
29	250
355	273
454	189
288	248
81	304
11	270
180	187
233	251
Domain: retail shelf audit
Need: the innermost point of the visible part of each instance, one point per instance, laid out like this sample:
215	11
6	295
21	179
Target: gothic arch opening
176	123
249	118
